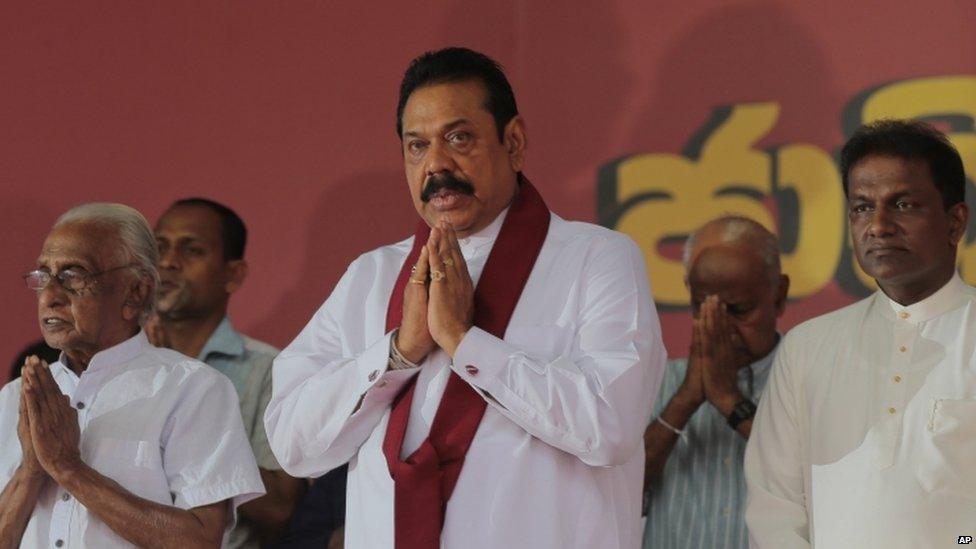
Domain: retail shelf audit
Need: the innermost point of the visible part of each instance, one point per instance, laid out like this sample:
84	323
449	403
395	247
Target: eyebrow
445	128
894	196
70	264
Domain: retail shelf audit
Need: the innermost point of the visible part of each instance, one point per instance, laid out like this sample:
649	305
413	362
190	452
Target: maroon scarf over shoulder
423	482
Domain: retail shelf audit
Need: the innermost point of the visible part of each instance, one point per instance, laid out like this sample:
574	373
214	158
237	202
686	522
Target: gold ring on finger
449	262
436	275
417	280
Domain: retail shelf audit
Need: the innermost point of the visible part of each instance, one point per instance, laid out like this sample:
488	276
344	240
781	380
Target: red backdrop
285	111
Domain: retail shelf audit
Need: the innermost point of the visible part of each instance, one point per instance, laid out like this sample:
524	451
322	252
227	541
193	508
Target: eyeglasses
70	279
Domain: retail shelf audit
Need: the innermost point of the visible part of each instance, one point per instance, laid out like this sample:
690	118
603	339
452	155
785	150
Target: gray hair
138	242
737	229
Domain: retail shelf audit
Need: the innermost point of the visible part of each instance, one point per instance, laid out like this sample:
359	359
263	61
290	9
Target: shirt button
897	379
727	511
65	496
727	461
903	315
472	370
891	410
373	374
59	543
903	348
80	405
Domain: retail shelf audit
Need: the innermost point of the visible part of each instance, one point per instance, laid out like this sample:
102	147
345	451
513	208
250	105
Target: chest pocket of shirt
135	464
948	445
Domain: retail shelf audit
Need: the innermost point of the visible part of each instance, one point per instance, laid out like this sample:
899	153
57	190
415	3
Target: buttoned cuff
378	382
481	357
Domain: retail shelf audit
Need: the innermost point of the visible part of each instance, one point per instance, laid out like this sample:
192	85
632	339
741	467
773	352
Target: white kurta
558	458
166	427
866	435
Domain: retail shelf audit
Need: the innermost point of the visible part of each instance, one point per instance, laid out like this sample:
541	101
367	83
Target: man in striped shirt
694	486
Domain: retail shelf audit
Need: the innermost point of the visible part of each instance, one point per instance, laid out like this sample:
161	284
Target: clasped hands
713	367
48	426
438	301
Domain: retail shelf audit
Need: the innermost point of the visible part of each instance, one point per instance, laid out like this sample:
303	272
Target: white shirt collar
486	235
117	354
946	298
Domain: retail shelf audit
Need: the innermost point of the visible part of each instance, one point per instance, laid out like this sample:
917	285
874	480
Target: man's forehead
82	244
445	103
189	221
726	265
878	169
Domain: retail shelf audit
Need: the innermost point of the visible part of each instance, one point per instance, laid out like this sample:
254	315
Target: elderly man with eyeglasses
118	443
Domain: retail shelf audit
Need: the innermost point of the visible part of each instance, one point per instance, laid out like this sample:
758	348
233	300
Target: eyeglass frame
86	278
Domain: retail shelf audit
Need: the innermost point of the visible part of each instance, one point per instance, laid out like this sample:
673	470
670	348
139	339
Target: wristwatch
743	410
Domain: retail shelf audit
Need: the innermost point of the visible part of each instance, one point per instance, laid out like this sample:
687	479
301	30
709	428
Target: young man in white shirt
489	379
864	437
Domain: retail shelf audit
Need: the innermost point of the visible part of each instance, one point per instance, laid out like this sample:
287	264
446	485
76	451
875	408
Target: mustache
440	182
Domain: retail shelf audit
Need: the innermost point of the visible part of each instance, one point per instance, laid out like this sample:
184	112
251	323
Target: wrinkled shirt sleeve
594	401
10	452
206	454
776	513
328	395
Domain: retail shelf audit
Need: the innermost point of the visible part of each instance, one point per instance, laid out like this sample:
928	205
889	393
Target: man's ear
138	293
236	273
782	294
958	219
516	142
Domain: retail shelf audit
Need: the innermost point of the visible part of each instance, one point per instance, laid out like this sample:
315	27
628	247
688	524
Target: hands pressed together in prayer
712	373
48	425
438	302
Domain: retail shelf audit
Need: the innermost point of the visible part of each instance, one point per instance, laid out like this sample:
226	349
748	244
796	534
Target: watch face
742	411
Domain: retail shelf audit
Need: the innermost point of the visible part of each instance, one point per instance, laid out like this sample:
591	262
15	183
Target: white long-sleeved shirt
166	427
866	434
557	460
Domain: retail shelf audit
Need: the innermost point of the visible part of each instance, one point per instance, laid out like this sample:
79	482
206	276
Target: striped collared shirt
699	499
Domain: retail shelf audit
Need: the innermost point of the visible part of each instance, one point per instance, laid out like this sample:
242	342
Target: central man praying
490	378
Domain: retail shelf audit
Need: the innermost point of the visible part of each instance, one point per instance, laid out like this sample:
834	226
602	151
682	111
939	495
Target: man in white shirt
866	434
489	380
118	443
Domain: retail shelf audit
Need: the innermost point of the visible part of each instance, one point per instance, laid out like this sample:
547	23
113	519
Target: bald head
738	233
737	260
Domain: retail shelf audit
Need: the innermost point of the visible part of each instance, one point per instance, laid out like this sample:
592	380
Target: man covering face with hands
489	378
118	443
696	442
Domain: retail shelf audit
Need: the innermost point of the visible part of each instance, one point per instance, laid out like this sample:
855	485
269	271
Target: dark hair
910	140
458	65
232	229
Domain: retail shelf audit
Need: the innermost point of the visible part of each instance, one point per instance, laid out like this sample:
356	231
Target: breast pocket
946	456
135	464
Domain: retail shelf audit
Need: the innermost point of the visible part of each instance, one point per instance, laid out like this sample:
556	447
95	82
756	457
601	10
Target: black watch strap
743	410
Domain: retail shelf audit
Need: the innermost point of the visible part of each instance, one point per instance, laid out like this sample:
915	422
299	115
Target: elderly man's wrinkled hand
29	463
54	430
719	366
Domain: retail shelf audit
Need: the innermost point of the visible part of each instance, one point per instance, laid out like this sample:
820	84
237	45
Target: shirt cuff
378	381
480	358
